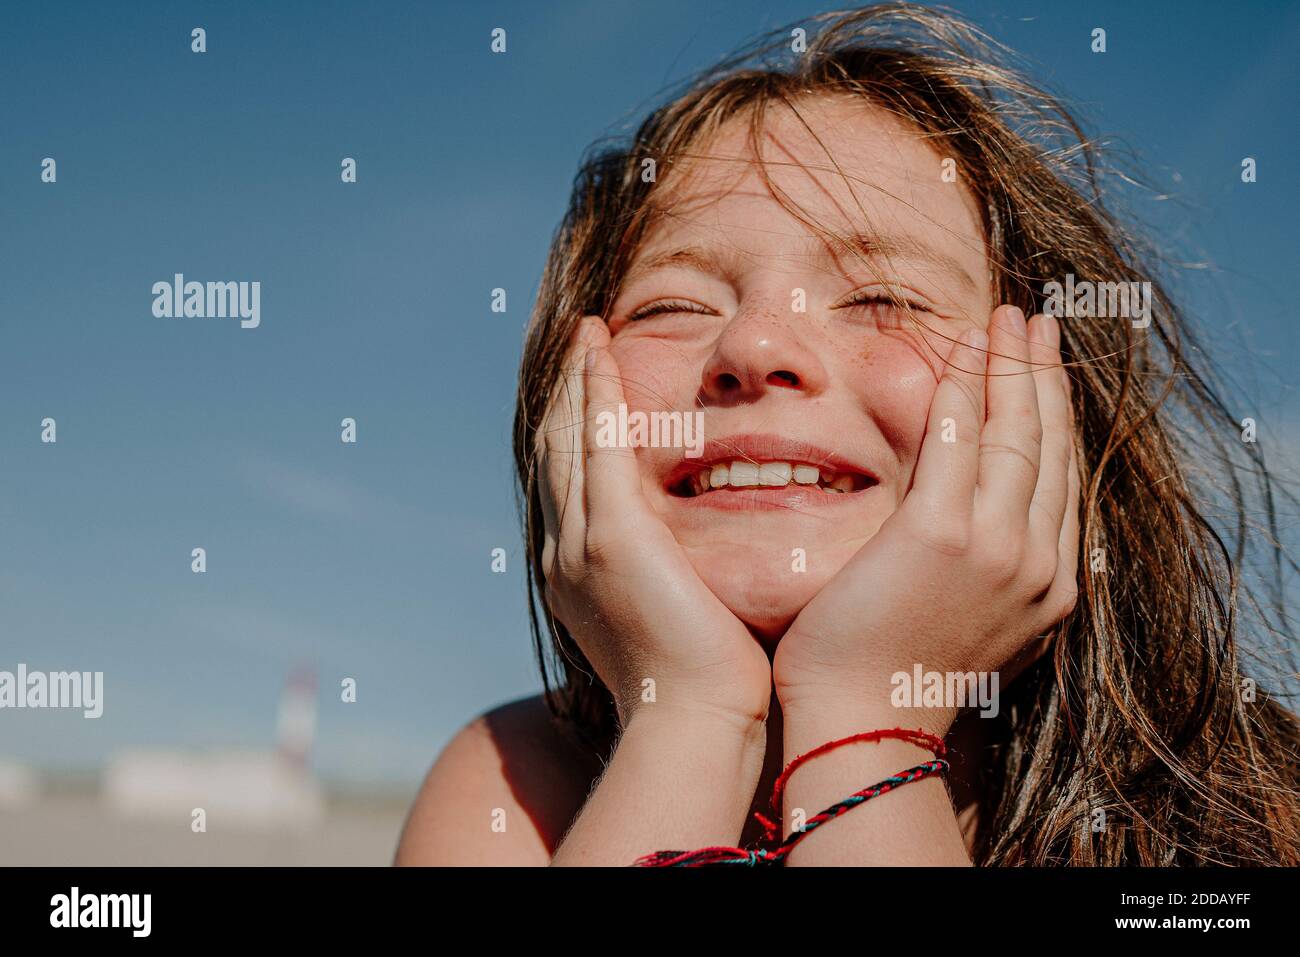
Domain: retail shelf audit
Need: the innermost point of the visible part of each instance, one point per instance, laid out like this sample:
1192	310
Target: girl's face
813	388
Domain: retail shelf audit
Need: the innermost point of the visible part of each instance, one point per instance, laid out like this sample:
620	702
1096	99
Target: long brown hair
1142	710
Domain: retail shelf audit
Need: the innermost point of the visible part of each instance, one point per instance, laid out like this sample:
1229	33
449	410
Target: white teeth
775	473
745	474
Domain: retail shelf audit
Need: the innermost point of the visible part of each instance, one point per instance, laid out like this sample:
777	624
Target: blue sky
372	561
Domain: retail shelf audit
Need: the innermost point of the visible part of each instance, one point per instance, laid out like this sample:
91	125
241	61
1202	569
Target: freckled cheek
897	389
656	376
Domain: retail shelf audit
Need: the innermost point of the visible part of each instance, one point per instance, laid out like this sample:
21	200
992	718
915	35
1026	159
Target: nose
758	352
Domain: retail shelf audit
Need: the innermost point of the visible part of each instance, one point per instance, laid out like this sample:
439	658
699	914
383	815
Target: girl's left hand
979	561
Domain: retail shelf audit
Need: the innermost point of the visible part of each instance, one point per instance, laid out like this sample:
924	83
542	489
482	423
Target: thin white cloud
318	494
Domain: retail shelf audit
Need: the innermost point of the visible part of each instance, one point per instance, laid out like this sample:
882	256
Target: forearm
911	825
676	781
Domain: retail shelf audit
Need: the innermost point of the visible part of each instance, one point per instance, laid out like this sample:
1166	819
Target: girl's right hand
615	575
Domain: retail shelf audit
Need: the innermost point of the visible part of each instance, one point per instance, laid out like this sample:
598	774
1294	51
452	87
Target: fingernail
589	362
977	339
1017	317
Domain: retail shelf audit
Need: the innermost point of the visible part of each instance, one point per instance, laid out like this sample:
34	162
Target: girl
920	462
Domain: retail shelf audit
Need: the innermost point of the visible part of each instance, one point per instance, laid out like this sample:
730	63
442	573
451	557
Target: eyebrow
705	260
688	257
907	247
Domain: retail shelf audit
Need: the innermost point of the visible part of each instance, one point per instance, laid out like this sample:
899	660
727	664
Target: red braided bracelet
738	855
922	739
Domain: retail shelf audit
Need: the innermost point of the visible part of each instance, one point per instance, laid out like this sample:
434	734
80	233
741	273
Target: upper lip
765	447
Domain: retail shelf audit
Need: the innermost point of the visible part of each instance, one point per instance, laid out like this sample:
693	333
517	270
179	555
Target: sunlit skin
719	333
957	553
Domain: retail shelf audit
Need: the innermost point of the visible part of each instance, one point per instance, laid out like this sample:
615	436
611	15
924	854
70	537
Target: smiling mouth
745	475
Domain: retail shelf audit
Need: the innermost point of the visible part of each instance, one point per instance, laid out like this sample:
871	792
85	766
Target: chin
760	586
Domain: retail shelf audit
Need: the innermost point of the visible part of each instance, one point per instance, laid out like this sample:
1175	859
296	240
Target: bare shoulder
502	792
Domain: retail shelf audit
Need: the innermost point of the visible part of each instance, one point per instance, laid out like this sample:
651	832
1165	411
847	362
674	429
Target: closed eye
887	311
880	299
667	306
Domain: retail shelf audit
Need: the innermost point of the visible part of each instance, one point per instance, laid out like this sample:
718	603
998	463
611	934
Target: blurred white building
249	789
20	785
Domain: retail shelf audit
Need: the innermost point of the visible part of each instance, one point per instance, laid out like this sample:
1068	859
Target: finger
1065	587
947	468
1047	509
612	480
1010	443
560	442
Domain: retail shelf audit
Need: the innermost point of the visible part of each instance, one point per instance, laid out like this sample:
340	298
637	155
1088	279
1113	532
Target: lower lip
760	497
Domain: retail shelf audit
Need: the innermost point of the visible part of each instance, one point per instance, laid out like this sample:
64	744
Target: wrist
680	703
829	715
720	747
702	723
